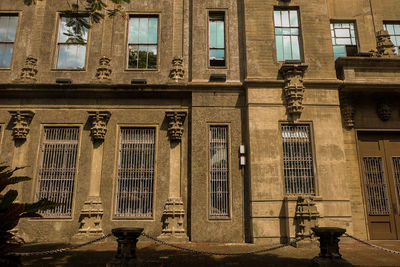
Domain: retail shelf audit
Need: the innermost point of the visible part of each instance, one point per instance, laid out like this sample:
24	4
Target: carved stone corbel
306	216
21	120
294	88
384	46
29	71
103	71
384	110
348	109
175	124
99	120
177	71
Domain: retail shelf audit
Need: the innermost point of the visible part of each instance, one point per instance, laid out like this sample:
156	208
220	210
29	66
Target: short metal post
126	253
329	246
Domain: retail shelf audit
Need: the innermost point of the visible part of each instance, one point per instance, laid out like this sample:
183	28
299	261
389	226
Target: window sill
73	70
148	219
5	69
143	70
295	197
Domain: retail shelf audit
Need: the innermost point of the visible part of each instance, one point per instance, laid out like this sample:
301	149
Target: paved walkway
153	254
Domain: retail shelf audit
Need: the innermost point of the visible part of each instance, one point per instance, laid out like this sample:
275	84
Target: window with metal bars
57	169
134	196
298	163
396	171
375	183
219	171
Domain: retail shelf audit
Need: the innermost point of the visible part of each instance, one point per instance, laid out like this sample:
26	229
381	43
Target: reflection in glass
71	56
8	29
217	38
287	34
343	34
394	32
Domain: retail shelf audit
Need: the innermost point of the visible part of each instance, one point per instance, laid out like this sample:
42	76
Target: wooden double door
380	160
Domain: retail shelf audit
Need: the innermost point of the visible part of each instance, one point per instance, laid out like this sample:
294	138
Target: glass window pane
277	18
293	18
278	30
133	56
62	38
220	54
71	57
342	33
294	31
339	51
295	48
5	55
279	48
3	28
134	30
286	31
213	34
345	25
285	18
143	31
287	49
397	40
353	41
343	41
142	56
153	30
333	41
152	57
397	29
390	29
220	34
12	28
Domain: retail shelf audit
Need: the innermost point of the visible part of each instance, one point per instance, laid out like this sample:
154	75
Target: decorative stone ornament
306	216
21	120
384	111
294	88
384	46
29	71
348	109
99	120
173	216
103	71
91	216
177	72
175	124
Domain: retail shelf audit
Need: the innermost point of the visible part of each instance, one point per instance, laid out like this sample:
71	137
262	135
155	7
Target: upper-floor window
143	42
217	38
344	39
8	29
71	45
287	34
394	32
298	162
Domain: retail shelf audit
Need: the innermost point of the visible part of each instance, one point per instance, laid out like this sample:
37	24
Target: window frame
225	15
354	22
115	175
300	29
57	47
313	151
393	22
208	180
39	158
144	15
17	30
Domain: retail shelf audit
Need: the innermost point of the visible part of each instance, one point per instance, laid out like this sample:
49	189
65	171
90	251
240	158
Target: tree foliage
11	211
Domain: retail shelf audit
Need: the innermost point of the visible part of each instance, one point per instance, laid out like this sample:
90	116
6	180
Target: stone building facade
214	121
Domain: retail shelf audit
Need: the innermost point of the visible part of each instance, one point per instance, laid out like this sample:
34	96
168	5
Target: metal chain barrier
217	253
372	245
59	250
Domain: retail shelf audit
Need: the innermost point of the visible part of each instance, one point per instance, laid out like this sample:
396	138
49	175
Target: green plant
11	211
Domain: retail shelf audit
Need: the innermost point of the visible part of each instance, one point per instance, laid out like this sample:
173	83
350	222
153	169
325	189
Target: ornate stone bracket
348	109
177	71
294	88
103	71
99	120
21	120
91	216
29	71
384	46
306	216
173	216
384	110
175	124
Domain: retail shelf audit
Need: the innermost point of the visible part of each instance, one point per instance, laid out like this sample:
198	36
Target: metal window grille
58	167
396	170
298	159
219	171
378	203
136	173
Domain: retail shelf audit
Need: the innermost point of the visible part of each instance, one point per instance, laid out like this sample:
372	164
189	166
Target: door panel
378	159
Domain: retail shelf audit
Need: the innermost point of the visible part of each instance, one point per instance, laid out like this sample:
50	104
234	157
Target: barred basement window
219	171
57	169
135	173
298	159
